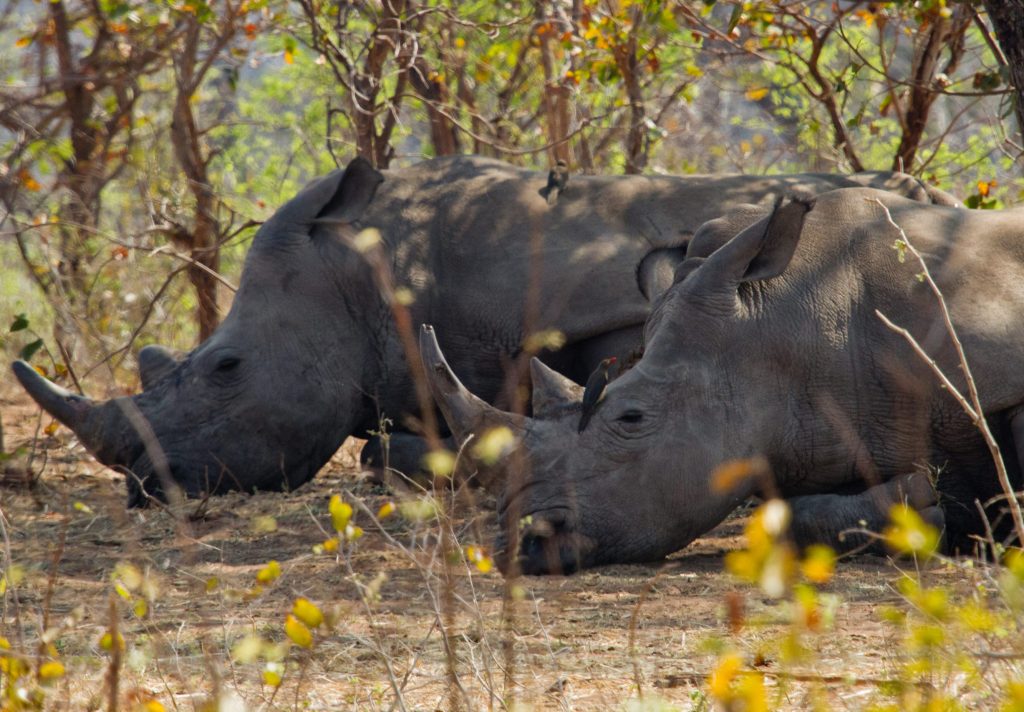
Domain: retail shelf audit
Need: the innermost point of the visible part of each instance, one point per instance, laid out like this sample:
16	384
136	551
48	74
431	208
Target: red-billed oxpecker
594	390
558	178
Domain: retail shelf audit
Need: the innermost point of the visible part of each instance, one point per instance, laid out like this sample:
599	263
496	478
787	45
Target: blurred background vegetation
143	141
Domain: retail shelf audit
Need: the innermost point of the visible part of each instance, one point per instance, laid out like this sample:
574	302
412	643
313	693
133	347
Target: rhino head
269	397
636	484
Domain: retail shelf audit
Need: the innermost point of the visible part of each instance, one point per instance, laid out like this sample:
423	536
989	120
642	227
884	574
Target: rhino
768	347
310	352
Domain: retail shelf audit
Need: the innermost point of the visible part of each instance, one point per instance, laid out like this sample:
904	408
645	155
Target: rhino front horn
465	413
102	428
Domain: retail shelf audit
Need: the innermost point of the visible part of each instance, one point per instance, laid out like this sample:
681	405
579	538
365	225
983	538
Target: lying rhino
771	346
309	353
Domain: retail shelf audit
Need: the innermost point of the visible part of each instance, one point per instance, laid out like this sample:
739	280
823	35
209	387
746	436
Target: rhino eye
631	416
227	364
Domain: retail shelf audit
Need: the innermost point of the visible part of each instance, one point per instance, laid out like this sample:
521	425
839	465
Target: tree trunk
201	240
434	92
1008	20
555	96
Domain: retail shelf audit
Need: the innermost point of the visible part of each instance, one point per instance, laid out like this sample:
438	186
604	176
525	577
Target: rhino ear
553	393
657	269
355	190
761	251
338	196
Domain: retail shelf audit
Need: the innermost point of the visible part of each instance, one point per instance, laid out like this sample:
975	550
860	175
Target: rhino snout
548	544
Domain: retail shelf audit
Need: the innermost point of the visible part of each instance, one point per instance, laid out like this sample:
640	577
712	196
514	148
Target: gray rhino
770	346
309	353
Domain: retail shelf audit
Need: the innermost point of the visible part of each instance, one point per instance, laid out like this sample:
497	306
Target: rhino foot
840	521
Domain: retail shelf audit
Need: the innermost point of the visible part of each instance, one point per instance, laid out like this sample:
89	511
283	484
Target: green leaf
30	349
20	322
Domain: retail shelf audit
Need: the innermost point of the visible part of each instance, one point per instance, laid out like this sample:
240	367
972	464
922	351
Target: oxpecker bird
594	390
558	178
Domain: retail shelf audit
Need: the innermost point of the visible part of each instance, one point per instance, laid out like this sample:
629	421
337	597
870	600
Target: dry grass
571	635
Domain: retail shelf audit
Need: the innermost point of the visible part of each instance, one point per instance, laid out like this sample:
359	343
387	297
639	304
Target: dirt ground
620	637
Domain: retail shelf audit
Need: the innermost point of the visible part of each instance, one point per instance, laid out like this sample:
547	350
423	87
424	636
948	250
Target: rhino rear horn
553	393
465	413
155	362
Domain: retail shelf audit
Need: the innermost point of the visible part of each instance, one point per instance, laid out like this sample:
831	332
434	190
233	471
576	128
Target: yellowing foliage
297	632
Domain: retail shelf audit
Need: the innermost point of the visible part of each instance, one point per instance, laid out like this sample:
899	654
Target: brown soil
591	641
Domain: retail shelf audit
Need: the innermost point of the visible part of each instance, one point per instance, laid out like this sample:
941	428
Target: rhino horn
155	362
101	427
553	393
465	413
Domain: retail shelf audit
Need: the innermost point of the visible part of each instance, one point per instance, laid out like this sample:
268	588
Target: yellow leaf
756	93
264	524
50	671
909	533
307	612
212	583
289	56
107	642
819	564
459	42
272	674
479	558
270	572
366	239
551	339
731	473
51	428
297	632
404	296
440	462
720	680
867	16
153	706
129	575
247	650
23	42
82	507
420	509
494	444
341	513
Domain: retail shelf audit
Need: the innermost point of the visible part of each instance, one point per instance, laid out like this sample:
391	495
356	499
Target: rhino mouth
548	543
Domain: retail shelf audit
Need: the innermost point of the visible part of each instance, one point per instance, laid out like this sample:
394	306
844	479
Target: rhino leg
828	518
404	455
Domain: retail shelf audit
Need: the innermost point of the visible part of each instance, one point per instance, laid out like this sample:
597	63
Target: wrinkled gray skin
770	346
309	353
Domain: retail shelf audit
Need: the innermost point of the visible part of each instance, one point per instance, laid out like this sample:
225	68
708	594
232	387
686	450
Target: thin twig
972	408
